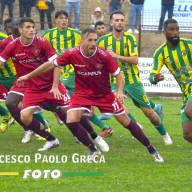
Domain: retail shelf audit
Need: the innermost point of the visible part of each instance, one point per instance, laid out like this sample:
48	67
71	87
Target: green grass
128	165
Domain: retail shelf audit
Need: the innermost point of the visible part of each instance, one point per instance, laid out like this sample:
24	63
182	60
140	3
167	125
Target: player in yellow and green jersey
63	38
123	47
176	55
7	77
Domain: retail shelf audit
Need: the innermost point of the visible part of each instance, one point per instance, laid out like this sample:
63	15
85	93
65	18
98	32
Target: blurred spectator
25	7
97	16
100	28
135	15
45	7
166	6
115	5
10	5
75	4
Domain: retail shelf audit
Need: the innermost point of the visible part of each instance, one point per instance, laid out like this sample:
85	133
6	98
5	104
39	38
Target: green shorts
137	93
69	84
7	82
183	116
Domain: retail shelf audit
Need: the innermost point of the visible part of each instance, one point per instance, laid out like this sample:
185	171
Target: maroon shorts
106	104
18	90
3	92
36	99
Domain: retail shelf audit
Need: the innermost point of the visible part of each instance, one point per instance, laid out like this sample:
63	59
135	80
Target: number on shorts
115	106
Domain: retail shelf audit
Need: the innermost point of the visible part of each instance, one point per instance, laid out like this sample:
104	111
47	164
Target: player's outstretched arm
120	86
40	70
56	80
128	59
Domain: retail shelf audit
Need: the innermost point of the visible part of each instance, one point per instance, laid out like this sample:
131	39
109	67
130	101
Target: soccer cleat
93	154
167	139
27	136
5	123
106	132
157	157
103	146
11	121
159	110
49	144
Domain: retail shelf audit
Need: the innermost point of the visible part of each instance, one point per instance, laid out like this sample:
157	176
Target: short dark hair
116	12
167	22
87	31
25	20
99	23
61	12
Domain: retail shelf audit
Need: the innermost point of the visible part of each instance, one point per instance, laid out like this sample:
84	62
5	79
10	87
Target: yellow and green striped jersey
179	63
126	46
61	41
7	70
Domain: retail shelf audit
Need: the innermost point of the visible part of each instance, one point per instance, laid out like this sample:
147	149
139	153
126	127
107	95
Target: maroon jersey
5	42
91	73
28	57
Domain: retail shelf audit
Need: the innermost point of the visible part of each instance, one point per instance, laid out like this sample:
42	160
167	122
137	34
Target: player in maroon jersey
28	52
92	86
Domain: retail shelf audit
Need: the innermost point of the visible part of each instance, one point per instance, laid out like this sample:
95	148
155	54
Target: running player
92	85
63	38
123	47
11	27
176	55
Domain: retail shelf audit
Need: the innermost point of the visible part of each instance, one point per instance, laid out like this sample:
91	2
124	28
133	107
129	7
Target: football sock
86	124
94	119
35	127
131	117
3	111
15	112
40	118
140	136
79	132
62	115
161	129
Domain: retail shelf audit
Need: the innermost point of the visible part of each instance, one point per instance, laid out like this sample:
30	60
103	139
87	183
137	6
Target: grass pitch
128	165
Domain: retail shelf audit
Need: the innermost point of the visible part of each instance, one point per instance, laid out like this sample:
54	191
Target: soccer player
92	85
176	55
100	28
7	77
123	47
63	38
28	51
15	98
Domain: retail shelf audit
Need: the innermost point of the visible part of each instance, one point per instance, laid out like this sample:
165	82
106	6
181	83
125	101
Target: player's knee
10	104
25	117
188	111
187	136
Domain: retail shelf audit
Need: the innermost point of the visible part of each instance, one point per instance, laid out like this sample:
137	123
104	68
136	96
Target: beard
173	40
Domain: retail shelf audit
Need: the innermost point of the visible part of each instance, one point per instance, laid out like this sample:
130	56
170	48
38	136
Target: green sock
152	104
94	119
40	117
161	129
131	117
3	111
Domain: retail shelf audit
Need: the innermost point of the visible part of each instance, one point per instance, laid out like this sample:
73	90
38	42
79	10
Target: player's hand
57	94
20	80
158	77
120	97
